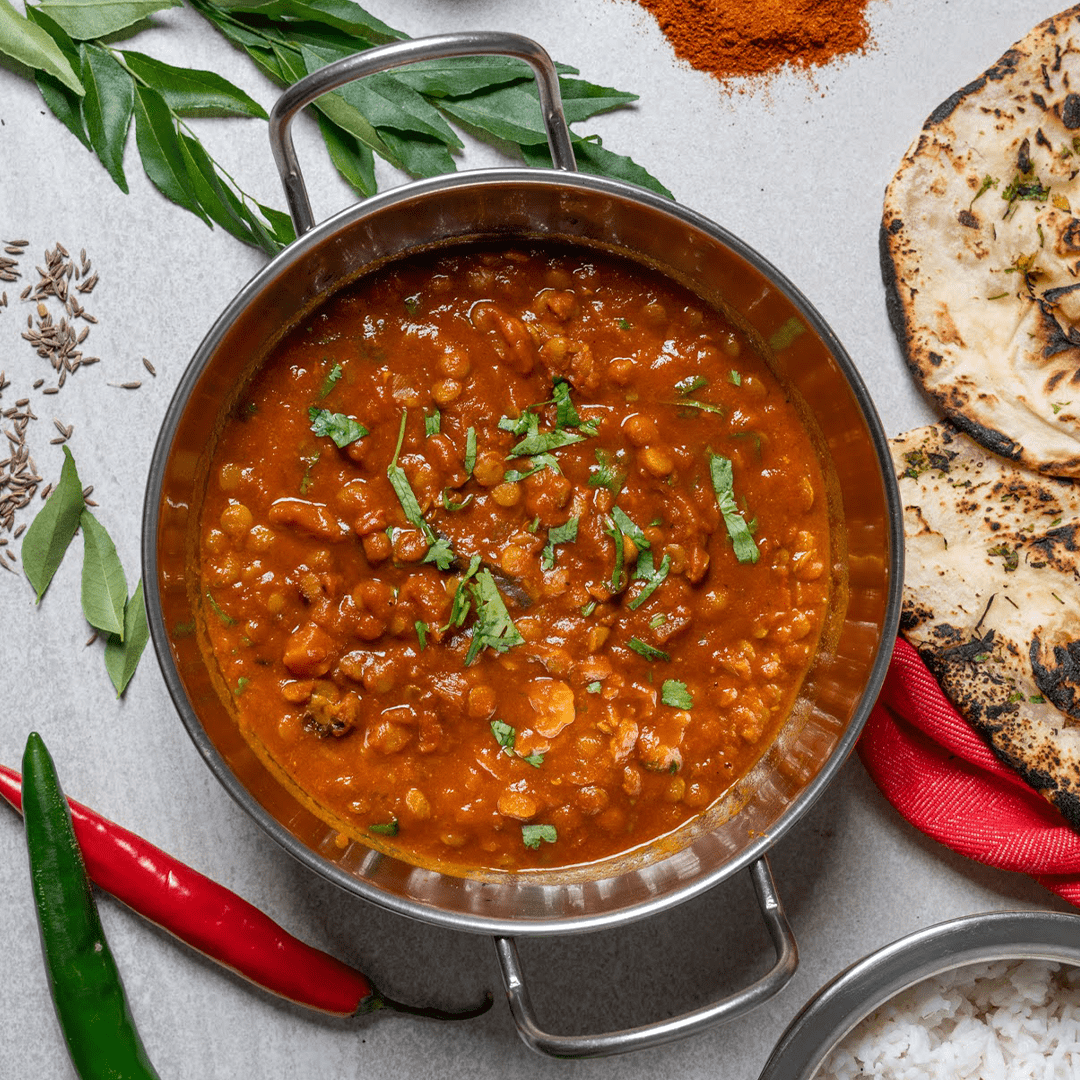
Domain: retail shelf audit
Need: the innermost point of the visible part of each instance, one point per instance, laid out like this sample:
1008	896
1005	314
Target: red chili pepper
217	922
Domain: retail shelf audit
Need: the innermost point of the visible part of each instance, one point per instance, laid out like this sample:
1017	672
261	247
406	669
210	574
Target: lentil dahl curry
513	558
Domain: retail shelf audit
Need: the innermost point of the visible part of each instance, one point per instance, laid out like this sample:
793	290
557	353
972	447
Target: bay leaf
122	656
342	14
351	158
51	531
88	19
104	587
106	108
192	91
159	147
29	44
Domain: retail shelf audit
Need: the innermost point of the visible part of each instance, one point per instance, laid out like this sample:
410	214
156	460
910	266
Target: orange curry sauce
557	587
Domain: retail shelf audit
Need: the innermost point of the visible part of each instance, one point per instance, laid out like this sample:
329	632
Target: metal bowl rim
425	912
852	995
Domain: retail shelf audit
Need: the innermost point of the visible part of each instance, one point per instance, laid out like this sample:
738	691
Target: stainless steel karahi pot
537	204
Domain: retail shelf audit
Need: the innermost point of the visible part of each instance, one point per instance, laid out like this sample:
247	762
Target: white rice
1006	1020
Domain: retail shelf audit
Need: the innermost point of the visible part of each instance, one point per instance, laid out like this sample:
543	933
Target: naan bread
991	600
980	247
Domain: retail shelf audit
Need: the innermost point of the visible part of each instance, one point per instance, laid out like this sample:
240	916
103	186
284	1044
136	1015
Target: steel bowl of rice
993	996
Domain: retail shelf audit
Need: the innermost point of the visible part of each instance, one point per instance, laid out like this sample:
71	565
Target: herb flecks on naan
990	600
980	247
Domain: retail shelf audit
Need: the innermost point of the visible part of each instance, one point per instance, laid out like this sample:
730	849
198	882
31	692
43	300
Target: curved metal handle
371	61
620	1042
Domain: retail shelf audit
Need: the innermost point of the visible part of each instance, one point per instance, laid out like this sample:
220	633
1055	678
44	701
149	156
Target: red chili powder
754	38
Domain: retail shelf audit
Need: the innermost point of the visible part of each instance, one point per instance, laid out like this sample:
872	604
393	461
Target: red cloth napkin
942	776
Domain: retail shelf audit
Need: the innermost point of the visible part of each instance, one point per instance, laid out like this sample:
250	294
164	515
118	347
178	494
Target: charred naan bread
991	600
980	247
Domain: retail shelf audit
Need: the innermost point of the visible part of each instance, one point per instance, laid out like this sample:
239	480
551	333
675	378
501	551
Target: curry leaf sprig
105	602
403	116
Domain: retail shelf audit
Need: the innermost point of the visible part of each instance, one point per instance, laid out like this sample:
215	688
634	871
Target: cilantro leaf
493	629
459	608
565	413
506	736
691	384
439	550
606	473
386	828
675	694
533	835
331	380
625	522
653	576
344	430
543	442
432	423
746	550
470	451
643	648
561	534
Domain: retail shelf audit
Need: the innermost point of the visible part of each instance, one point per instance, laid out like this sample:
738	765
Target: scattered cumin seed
45	493
126	385
51	390
91	639
20	530
149	367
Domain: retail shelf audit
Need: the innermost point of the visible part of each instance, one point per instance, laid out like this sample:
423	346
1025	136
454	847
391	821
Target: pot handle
383	57
620	1042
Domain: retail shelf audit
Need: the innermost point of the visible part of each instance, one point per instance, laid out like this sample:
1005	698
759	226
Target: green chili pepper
83	979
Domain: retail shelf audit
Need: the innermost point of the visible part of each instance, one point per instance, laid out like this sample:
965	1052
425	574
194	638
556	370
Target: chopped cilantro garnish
241	685
533	835
625	324
344	430
675	694
331	380
653	576
787	332
421	628
386	828
691	384
448	505
643	648
459	608
470	451
1037	699
588	609
704	406
561	534
543	442
565	413
493	629
618	571
734	378
220	612
412	303
746	550
506	737
432	423
626	523
657	621
539	462
534	525
1057	406
439	550
594	688
606	473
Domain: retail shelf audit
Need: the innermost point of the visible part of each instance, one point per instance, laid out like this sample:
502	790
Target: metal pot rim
296	252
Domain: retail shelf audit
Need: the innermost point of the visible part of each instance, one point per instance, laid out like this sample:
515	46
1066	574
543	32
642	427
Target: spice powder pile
737	39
